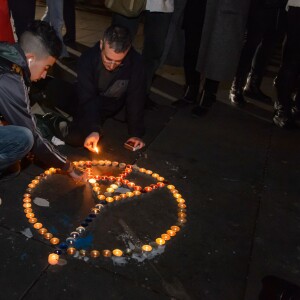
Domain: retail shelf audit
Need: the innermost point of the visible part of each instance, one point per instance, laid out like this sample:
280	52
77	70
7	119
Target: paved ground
237	172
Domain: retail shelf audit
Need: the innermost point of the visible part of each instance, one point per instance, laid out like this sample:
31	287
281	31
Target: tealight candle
176	195
38	225
171	187
31	185
101	162
181	215
111	178
52	170
137	188
160	184
95	211
101	197
27	200
155	175
174	191
125	181
95	253
137	193
82	252
180	200
106	253
122	165
35	181
171	232
160	178
115	163
94	162
175	228
29	215
146	248
27	205
92	180
53	259
165	236
71	251
26	195
109	199
131	184
181	205
107	163
148	189
47	172
48	235
117	252
142	170
149	172
123	196
32	220
96	189
129	194
27	210
117	198
54	241
160	241
181	220
114	186
110	190
42	231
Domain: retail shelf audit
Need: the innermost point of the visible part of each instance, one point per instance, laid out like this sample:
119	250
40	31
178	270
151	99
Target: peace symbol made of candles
109	196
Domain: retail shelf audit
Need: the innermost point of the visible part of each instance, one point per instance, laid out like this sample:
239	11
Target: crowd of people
223	41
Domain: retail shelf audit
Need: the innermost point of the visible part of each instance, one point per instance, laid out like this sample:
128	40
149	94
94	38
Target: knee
24	138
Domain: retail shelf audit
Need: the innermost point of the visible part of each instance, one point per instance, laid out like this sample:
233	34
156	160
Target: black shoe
206	102
11	172
151	105
236	93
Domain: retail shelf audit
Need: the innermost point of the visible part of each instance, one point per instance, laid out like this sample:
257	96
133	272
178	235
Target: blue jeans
15	143
54	15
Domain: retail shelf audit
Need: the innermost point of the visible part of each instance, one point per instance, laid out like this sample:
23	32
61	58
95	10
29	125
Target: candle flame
97	150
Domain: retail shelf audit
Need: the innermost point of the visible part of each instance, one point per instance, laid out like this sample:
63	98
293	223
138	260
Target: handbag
127	8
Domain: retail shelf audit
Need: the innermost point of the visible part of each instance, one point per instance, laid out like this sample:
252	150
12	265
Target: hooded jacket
15	104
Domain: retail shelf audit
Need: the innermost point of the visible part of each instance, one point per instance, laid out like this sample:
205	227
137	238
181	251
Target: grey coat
222	38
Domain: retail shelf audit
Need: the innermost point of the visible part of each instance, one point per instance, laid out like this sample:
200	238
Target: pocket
117	89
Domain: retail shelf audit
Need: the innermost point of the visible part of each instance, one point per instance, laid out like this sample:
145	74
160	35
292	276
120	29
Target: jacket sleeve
135	100
15	108
88	97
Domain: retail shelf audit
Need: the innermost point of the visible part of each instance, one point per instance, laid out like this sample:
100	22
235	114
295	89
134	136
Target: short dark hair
40	38
118	38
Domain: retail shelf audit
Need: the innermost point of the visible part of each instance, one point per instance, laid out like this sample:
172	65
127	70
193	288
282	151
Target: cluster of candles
107	197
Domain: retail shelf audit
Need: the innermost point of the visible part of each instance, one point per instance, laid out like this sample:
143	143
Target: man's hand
137	142
91	141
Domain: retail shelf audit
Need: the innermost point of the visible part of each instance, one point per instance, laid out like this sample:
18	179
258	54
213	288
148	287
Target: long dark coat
222	38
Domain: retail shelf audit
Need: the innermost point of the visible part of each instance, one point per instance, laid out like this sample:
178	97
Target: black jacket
15	104
128	87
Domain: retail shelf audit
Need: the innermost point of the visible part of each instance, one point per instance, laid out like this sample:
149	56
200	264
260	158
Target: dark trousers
156	26
290	66
262	31
23	13
69	18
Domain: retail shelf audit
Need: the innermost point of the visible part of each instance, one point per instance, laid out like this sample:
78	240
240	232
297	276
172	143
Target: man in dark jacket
37	51
110	76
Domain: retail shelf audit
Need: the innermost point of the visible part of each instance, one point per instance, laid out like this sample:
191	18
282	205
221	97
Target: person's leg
131	23
23	13
56	19
155	31
70	21
15	143
253	36
261	57
289	72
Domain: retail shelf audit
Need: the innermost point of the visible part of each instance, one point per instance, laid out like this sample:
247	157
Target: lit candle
171	187
52	170
48	235
165	236
137	193
131	184
129	194
114	186
53	259
174	191
146	248
148	189
181	220
123	196
32	220
47	172
27	200
96	150
106	253
171	232
180	200
38	225
175	228
137	188
117	252
160	241
181	205
109	199
96	189
107	163
92	180
82	252
95	253
31	185
181	215
71	251
149	172
142	170
35	181
110	190
125	181
27	210
155	175
29	215
42	231
160	178
27	205
101	197
117	198
54	241
160	184
95	211
26	195
111	178
115	163
176	195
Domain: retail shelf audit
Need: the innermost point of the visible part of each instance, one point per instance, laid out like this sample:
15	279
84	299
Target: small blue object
63	246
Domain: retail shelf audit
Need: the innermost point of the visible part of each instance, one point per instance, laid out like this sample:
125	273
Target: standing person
23	13
54	15
110	76
70	22
30	60
261	34
289	72
6	33
214	32
157	17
